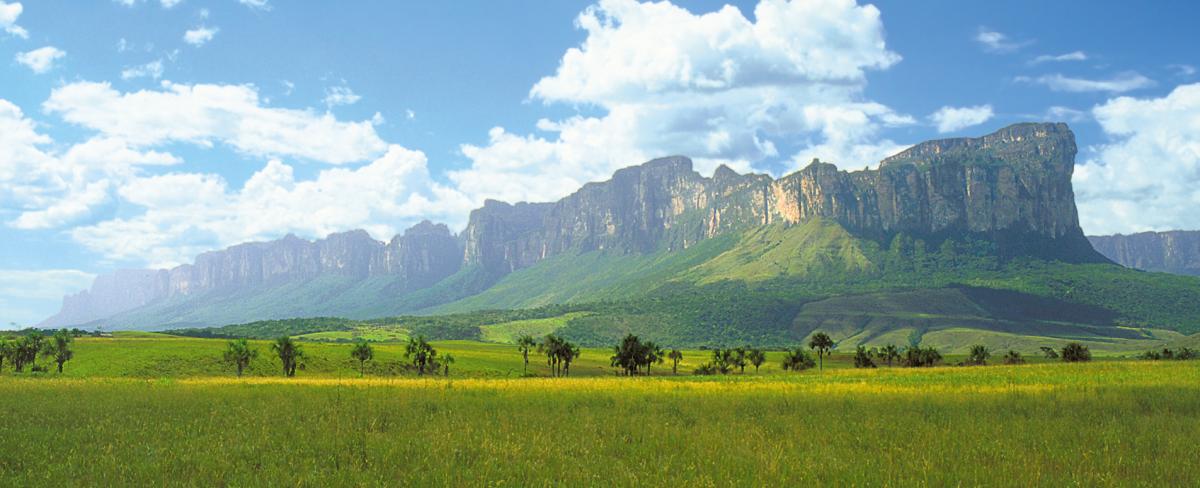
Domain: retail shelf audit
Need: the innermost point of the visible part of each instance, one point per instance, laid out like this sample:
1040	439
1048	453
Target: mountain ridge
1008	191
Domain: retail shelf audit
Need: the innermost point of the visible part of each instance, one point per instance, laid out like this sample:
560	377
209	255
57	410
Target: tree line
419	354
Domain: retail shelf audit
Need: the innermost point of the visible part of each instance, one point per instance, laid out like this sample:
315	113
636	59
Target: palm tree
552	347
654	354
757	357
821	343
629	355
526	343
797	360
363	352
6	351
59	348
1013	357
447	360
567	353
420	353
739	359
239	353
675	357
889	353
289	353
978	355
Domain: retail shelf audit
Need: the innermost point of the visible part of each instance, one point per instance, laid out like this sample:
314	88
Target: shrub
978	355
1013	357
917	356
863	358
1076	352
797	360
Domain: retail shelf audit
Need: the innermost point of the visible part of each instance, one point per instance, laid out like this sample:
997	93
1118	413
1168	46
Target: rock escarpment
1012	187
1170	252
422	256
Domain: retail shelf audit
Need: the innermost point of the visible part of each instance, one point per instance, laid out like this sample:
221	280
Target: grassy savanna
1090	424
153	355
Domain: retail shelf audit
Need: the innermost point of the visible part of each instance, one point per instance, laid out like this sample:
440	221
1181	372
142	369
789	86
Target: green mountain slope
776	284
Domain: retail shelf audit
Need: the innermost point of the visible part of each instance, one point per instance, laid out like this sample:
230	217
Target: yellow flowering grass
1115	423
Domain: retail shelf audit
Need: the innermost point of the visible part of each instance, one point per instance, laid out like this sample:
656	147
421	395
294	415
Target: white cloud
40	60
1058	113
1071	56
340	95
951	119
1147	177
188	213
48	283
200	36
204	114
1182	70
1121	83
9	12
716	86
153	69
170	3
46	188
998	42
256	4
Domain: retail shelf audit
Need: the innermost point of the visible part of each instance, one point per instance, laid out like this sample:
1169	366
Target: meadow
150	409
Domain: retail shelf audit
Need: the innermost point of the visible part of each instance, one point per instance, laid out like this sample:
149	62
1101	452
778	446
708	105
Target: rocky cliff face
1012	187
1170	252
423	255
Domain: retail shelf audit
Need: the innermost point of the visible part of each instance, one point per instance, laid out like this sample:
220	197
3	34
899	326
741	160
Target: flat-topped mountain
670	253
1012	187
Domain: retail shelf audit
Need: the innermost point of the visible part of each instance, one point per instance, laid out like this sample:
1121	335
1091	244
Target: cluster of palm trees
422	356
24	351
724	361
559	354
633	356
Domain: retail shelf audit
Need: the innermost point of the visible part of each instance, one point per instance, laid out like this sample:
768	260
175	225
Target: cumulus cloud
40	60
951	119
9	12
716	86
1121	83
186	213
153	69
47	188
170	3
200	36
1049	58
205	114
1147	177
997	42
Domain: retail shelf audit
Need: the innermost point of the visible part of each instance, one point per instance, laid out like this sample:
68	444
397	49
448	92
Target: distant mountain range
994	214
1175	251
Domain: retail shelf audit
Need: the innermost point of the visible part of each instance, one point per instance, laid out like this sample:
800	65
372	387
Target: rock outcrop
1175	251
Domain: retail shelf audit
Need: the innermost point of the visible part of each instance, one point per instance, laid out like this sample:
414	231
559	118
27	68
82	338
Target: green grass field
151	409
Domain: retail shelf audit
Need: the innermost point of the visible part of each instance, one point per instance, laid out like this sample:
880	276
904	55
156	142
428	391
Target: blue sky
138	133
